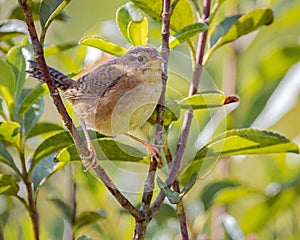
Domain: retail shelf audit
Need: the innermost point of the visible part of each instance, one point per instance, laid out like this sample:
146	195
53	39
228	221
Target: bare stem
140	228
80	144
188	114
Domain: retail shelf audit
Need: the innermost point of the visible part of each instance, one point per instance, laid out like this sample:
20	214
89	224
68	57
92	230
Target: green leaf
7	86
51	9
8	185
186	33
32	115
203	100
84	237
126	14
42	128
176	197
238	142
182	16
170	194
56	49
103	45
15	58
138	32
88	217
35	95
10	133
10	28
51	145
2	113
64	209
211	191
5	157
107	149
17	12
261	213
246	141
233	27
44	170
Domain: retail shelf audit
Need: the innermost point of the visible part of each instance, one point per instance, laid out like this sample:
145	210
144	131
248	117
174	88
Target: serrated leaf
88	217
8	185
35	95
239	142
10	28
186	33
103	45
204	100
51	145
10	133
138	32
126	14
7	86
64	209
43	127
181	17
51	9
246	141
16	60
233	27
107	149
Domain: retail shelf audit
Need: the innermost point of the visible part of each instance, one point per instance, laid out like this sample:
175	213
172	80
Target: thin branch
188	114
140	228
80	145
181	214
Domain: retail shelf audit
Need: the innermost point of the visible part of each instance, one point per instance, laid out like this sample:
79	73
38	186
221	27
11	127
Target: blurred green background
260	191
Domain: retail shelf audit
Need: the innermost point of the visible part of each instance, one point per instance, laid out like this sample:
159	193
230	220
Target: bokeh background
262	68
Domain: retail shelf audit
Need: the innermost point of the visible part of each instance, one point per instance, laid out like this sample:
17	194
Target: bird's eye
140	58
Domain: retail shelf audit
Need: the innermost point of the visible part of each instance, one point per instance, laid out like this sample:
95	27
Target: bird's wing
95	83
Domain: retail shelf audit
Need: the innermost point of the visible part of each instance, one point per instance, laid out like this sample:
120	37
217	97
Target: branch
79	143
188	114
140	227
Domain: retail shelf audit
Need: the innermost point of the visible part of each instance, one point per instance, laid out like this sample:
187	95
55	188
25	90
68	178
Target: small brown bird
116	97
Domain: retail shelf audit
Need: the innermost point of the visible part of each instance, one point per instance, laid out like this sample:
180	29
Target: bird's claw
90	161
154	152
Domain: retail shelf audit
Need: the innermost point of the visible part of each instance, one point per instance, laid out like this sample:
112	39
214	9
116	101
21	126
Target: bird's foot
90	161
154	152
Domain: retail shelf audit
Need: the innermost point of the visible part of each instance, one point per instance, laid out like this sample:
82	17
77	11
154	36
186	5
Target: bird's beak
160	59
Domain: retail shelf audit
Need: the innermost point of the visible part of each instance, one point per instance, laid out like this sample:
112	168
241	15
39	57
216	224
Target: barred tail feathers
61	81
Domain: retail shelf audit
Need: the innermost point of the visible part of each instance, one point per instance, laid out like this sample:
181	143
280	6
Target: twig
80	145
188	114
180	207
140	227
181	214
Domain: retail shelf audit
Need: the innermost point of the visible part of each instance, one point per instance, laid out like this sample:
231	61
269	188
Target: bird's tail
61	81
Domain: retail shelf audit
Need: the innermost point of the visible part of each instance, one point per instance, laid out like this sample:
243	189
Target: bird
116	97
